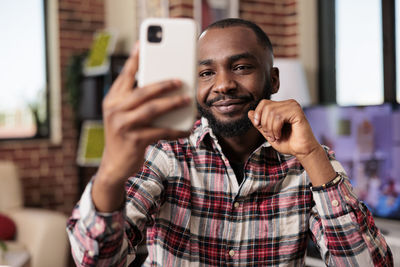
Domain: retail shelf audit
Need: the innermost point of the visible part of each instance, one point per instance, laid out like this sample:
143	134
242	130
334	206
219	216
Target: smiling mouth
229	105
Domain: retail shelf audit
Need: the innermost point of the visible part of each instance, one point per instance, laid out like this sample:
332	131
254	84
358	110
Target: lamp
293	83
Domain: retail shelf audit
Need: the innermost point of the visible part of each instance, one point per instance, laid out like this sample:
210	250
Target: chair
41	232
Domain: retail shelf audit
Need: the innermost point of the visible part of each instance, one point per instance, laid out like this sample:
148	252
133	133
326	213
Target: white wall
308	43
121	17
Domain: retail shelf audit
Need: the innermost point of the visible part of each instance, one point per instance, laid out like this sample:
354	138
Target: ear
275	83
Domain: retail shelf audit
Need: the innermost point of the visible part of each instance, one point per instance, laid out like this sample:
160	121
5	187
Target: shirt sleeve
343	227
110	239
95	236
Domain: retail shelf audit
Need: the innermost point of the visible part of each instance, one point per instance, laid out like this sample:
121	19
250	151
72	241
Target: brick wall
181	8
48	172
278	18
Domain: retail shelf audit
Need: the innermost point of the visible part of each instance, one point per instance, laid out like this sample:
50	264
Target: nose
224	83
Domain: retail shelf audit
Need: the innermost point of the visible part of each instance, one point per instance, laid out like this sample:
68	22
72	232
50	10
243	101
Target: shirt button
335	203
115	225
231	253
91	253
236	204
98	226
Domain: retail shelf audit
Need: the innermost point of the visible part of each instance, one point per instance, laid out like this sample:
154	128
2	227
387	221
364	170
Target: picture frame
98	60
91	144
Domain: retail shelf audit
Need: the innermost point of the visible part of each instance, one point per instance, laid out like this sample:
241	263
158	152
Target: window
23	70
357	51
397	21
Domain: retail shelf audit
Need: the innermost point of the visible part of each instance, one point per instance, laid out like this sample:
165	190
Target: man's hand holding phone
128	114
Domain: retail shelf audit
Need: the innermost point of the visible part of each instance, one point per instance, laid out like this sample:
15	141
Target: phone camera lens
154	34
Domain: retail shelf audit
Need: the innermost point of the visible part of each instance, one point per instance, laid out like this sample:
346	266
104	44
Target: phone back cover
174	57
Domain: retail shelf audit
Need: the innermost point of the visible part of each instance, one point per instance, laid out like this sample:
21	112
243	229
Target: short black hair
262	37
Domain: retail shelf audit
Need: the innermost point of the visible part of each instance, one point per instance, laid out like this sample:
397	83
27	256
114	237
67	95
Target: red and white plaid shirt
196	214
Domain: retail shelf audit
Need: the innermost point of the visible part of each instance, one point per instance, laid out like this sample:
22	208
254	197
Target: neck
239	148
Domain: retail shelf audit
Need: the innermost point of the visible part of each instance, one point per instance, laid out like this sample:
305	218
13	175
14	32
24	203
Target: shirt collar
201	130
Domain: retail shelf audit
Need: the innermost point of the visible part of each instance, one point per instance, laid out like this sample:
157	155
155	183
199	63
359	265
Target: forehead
217	42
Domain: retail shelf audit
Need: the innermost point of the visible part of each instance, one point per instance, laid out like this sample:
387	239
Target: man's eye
205	73
242	67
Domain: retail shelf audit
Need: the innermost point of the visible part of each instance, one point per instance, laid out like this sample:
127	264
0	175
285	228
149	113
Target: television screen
366	141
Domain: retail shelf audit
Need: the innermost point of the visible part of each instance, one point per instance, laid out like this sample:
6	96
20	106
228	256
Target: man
248	187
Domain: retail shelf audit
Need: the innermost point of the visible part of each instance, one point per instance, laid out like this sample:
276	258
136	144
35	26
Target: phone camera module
154	34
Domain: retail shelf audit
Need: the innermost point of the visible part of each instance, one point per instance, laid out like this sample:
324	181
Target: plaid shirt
196	214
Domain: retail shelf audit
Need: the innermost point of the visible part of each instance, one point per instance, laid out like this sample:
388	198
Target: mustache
226	97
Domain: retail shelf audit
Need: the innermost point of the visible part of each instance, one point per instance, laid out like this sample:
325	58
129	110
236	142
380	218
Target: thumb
250	115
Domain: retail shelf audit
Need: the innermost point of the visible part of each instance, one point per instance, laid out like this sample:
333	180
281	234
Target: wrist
107	176
331	183
108	194
318	167
110	173
108	183
309	150
312	155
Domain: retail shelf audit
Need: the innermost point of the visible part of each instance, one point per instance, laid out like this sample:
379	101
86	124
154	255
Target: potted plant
3	250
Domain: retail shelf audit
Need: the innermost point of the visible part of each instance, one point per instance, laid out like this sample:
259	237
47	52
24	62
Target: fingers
276	127
270	117
146	113
265	117
146	93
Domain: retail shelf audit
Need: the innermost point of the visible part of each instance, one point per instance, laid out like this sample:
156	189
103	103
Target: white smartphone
168	50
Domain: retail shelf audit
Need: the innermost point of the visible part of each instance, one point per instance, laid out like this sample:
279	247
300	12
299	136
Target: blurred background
59	58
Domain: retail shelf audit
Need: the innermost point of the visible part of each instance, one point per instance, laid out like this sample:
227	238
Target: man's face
234	75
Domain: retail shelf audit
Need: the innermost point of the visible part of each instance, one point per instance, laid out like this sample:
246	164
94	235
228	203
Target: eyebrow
232	58
206	62
246	55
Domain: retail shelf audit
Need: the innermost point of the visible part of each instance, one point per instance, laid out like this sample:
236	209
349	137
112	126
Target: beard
230	128
235	127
